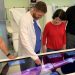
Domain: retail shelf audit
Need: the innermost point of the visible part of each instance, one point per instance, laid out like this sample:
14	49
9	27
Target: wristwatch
8	54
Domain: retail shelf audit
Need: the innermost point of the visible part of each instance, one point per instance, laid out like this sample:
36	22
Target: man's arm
4	48
25	41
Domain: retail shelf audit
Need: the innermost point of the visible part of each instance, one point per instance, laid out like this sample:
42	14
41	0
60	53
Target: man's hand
11	57
38	61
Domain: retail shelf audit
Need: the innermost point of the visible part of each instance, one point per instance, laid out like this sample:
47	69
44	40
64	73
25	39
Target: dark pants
52	58
29	63
5	69
69	68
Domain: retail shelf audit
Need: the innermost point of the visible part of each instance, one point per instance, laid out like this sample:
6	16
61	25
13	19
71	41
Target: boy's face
37	14
57	21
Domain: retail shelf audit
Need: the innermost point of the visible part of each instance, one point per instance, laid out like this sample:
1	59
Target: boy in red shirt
54	37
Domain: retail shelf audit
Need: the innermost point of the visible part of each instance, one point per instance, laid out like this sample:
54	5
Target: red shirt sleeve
64	37
44	34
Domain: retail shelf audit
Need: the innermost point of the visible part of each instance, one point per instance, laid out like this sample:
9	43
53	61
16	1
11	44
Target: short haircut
41	6
70	12
60	13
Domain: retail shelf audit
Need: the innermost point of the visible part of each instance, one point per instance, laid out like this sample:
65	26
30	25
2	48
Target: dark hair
70	12
60	13
41	6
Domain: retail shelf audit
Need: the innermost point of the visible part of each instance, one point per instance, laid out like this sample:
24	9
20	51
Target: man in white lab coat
30	34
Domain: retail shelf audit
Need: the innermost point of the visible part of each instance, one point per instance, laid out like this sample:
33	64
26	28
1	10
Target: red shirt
54	36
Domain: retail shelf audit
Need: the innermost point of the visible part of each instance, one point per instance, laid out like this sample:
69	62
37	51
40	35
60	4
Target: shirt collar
33	19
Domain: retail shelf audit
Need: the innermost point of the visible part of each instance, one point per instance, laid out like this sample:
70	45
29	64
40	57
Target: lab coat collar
33	19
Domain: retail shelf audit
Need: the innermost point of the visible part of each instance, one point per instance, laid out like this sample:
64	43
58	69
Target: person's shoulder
48	23
26	17
63	24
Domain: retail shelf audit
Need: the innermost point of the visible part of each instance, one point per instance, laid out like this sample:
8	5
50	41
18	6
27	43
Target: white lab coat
27	37
16	14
